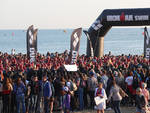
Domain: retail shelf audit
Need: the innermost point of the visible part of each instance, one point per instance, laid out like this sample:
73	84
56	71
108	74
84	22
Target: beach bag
98	100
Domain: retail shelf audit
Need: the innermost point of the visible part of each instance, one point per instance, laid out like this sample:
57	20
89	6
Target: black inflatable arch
116	17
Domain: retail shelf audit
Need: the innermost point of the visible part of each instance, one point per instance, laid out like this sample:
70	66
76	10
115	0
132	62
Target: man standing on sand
47	92
92	84
104	78
34	93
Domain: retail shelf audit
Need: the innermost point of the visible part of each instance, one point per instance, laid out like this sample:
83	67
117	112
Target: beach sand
123	109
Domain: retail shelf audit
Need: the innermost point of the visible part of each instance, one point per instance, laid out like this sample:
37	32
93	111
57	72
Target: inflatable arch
114	17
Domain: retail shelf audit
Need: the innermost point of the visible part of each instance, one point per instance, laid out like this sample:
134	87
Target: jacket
47	91
19	89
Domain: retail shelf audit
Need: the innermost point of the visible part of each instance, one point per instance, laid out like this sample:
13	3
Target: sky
58	14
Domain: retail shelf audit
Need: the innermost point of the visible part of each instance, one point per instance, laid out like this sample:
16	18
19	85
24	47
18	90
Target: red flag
143	33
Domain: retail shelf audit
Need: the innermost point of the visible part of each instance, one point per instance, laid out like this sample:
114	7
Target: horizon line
72	28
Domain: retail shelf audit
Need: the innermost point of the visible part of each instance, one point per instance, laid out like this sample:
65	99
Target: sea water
118	41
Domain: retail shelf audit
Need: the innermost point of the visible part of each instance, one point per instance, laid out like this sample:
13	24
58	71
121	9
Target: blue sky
58	14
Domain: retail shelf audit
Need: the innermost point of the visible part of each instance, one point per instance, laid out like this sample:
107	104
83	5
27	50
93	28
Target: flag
75	44
31	43
91	47
146	44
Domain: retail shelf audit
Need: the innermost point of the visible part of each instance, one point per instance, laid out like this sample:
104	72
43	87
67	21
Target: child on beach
100	92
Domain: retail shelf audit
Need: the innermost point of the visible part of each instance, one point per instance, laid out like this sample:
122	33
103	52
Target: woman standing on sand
116	96
145	92
100	91
7	89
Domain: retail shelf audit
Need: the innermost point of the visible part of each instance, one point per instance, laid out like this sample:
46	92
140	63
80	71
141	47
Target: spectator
19	90
1	102
34	85
145	92
53	94
104	79
116	97
40	94
47	92
67	99
81	85
7	89
120	80
147	81
131	69
100	91
92	84
140	101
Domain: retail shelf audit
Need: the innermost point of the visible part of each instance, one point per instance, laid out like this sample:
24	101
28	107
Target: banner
75	44
91	47
115	17
71	67
146	44
31	43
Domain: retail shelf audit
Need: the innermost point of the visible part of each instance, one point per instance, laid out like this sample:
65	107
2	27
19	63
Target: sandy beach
123	109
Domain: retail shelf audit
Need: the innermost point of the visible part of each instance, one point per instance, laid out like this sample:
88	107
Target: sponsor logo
74	56
31	37
32	54
124	17
141	17
97	25
147	52
113	18
76	40
147	40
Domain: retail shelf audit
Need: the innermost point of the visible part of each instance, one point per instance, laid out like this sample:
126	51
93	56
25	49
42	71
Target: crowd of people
46	86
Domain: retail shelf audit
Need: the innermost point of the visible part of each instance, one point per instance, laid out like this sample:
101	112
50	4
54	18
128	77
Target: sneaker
108	109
